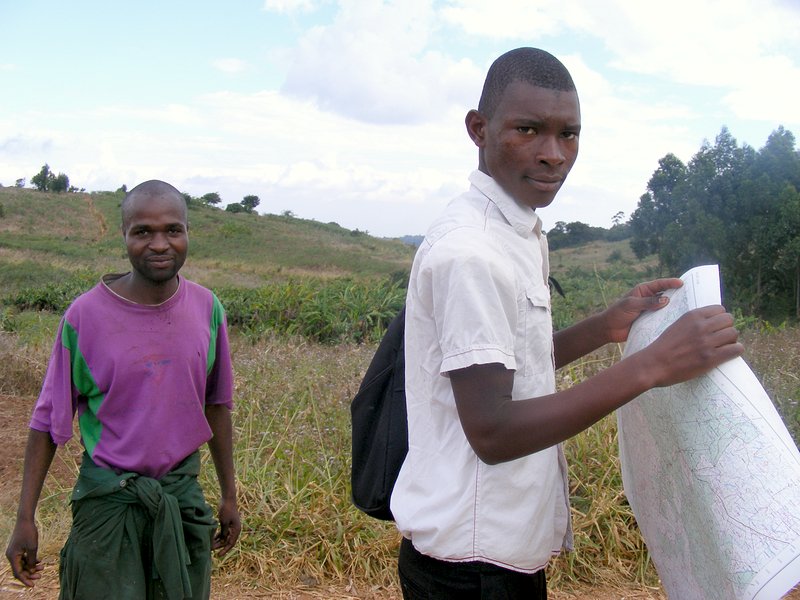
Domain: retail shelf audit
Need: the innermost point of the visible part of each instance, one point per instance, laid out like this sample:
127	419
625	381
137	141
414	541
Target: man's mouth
545	183
160	261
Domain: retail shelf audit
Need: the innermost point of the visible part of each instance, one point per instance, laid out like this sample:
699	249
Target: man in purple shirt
143	360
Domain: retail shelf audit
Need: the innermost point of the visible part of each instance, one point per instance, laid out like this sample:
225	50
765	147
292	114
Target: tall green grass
339	310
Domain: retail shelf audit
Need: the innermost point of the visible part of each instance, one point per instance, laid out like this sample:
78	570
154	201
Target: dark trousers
426	578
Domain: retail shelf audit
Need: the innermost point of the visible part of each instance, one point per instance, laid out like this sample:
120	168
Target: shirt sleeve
55	407
219	382
473	293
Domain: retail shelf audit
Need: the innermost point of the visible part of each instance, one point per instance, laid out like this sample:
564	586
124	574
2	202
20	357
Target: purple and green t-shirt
138	376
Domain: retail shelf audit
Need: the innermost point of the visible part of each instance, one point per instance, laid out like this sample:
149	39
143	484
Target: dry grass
774	355
22	366
292	460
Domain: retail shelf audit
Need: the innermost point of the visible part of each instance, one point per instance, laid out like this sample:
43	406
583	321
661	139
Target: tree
565	235
41	181
46	181
59	184
658	207
235	207
734	206
212	198
20	183
250	202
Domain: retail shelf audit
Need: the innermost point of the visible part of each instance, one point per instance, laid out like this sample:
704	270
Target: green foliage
42	179
212	198
33	328
327	311
54	296
46	180
29	274
734	206
250	202
235	207
588	291
571	235
60	183
340	310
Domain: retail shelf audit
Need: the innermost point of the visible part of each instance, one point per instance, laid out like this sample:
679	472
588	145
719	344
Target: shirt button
123	483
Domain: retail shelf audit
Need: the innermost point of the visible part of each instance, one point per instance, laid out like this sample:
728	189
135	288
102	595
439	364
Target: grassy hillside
46	237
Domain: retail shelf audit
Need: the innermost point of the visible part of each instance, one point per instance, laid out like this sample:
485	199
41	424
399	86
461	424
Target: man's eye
569	135
527	130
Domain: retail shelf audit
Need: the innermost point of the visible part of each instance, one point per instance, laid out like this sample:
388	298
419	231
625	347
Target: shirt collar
523	219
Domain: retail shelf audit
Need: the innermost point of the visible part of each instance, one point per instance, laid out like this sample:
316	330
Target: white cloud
389	179
289	6
372	64
504	19
129	116
746	49
229	65
622	139
772	90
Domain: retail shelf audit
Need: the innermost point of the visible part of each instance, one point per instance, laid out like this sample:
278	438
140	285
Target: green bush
332	311
54	297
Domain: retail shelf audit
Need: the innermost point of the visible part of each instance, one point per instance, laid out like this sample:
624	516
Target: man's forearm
39	453
578	340
221	447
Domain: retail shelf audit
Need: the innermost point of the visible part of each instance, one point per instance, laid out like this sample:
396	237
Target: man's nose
549	150
159	242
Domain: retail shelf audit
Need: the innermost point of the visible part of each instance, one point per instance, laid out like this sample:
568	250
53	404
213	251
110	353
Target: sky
352	111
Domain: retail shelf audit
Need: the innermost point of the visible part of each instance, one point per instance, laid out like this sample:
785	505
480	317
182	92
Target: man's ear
476	127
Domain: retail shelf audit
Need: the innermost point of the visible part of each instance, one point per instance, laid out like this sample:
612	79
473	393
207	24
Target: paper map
711	472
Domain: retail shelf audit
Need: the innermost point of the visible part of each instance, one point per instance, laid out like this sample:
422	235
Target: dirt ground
14	415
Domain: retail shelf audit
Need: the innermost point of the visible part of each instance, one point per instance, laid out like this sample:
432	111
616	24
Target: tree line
576	233
245	205
734	206
47	181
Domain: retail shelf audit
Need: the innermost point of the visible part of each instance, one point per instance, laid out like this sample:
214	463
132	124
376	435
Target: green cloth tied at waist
161	527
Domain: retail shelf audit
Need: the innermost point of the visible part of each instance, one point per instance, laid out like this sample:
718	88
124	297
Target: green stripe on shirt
84	382
217	318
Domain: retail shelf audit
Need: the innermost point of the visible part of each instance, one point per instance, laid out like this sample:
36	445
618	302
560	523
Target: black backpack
380	428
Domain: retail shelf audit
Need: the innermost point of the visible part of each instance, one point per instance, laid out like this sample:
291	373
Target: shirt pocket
537	351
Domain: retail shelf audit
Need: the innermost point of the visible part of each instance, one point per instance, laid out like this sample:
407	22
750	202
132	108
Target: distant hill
412	240
45	237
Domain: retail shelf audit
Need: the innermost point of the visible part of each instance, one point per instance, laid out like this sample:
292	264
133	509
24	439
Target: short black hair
150	189
530	65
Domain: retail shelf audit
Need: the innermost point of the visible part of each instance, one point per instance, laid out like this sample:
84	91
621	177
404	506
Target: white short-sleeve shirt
478	294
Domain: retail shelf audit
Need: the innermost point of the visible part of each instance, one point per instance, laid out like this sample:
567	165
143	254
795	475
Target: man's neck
135	289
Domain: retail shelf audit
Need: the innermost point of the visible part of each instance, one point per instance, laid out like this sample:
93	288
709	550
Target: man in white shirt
482	498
